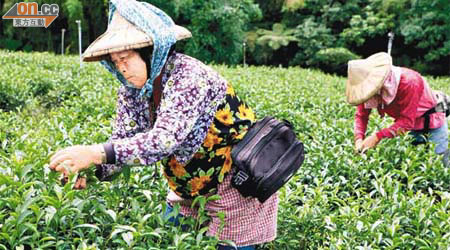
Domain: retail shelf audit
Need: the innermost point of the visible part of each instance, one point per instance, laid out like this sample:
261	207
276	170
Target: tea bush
334	60
394	197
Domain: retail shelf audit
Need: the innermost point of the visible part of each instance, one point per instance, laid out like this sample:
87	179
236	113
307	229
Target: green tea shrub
393	197
334	60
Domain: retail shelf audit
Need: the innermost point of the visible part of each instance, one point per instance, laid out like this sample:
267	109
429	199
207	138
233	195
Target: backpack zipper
240	152
262	143
297	145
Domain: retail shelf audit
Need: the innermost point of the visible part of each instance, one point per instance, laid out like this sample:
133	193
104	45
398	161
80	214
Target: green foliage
367	26
432	21
263	42
42	77
271	10
312	36
35	210
394	197
92	14
293	5
424	24
275	38
74	8
172	8
10	98
334	60
10	44
421	28
218	28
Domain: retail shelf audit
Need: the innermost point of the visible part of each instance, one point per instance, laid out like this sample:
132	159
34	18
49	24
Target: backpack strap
156	100
426	123
157	93
426	115
429	112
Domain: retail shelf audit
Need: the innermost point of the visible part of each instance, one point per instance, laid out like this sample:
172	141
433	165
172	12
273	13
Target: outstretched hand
370	142
358	145
80	183
77	158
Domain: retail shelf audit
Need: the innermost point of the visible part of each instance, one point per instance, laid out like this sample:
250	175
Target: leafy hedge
334	60
421	30
277	32
394	197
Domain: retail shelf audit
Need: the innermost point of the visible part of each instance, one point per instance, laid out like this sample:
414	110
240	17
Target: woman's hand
80	183
76	158
359	145
370	142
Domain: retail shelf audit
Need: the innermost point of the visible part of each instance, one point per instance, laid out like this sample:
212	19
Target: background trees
307	33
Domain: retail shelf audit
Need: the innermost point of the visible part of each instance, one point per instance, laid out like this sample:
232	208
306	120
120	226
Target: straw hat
366	77
122	35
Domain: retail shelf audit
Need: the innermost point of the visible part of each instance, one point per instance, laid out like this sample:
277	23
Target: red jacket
414	97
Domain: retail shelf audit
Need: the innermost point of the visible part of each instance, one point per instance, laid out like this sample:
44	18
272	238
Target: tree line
323	34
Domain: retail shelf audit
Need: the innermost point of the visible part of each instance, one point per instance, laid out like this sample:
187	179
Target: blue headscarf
154	22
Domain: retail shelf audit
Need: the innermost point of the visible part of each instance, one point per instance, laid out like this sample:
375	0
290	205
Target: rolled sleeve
361	121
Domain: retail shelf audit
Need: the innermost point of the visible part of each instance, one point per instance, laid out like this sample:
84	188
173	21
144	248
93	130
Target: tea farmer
402	93
174	109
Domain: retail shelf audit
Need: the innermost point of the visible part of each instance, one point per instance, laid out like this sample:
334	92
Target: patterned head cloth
136	25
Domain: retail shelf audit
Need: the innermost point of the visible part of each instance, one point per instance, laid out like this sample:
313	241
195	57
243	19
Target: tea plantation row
394	197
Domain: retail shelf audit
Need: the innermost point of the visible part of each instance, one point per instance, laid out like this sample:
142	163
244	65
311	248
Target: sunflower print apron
212	162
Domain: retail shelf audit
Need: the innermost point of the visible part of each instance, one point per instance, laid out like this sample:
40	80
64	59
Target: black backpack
266	158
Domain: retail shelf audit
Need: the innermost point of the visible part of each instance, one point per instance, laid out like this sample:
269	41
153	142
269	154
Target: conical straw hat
122	35
366	77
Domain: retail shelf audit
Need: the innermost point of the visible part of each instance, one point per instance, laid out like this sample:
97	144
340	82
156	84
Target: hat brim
359	91
363	92
114	40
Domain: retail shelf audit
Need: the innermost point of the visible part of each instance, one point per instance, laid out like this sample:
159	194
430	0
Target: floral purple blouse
191	95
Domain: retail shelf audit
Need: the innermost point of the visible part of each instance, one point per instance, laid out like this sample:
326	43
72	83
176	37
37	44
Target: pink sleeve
407	101
361	120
